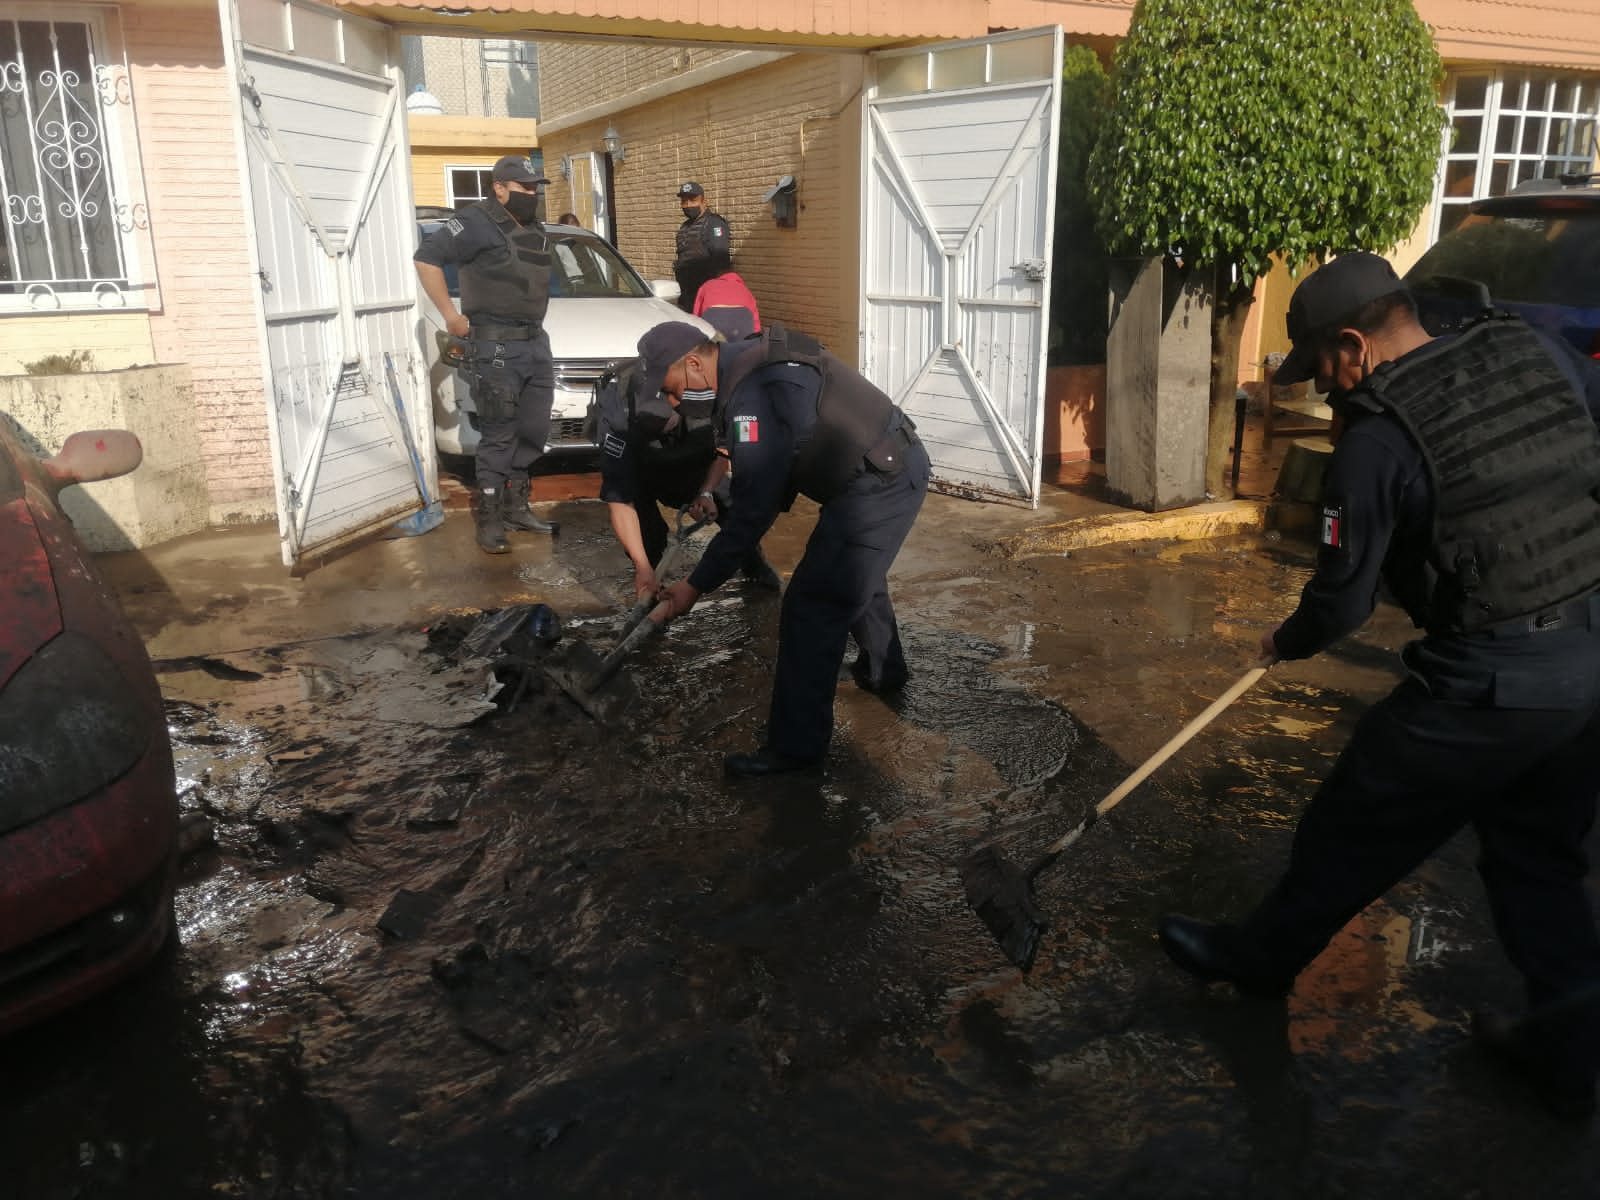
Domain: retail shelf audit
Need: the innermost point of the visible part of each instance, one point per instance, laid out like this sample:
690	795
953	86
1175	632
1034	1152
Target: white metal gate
328	183
960	170
590	203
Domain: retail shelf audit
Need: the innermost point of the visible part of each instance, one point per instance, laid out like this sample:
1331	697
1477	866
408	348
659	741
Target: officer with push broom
796	420
1465	477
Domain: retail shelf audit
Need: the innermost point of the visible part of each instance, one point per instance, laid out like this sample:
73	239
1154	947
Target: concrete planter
166	497
1074	413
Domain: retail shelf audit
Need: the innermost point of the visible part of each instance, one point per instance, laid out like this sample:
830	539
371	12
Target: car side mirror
665	289
92	455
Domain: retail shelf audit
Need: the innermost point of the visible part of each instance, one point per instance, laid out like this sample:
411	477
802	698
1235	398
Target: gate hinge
1033	268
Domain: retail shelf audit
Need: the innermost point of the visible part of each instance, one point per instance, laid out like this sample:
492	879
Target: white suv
599	307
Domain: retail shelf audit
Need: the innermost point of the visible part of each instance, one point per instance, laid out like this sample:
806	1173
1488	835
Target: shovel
584	675
1002	894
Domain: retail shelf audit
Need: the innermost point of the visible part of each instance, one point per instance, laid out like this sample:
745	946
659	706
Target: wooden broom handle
1243	685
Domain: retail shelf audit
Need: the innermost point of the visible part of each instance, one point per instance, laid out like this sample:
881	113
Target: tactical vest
619	410
509	283
1514	459
691	240
852	414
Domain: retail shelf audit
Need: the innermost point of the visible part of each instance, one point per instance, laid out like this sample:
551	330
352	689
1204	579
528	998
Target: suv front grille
579	373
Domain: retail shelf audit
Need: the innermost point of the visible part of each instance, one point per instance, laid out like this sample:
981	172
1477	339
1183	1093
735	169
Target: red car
88	802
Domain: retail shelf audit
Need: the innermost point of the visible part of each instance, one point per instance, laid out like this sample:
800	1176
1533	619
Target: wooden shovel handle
1177	742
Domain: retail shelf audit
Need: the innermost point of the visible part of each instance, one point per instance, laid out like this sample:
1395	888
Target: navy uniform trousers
1430	759
839	589
513	389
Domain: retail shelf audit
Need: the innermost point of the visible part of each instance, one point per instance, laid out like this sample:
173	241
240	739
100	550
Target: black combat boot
516	514
486	516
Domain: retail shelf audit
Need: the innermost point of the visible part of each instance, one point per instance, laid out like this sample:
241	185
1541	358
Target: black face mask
690	214
527	208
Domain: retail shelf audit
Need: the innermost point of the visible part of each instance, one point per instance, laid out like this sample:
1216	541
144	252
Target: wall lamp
613	144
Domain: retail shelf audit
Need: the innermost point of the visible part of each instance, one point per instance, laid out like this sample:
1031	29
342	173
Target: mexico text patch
746	429
1333	525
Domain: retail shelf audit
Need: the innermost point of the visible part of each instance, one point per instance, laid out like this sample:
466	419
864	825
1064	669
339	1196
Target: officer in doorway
796	420
1466	478
654	450
703	244
504	260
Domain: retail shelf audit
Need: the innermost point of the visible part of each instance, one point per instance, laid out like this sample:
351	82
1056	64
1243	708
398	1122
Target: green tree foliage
1244	129
1078	271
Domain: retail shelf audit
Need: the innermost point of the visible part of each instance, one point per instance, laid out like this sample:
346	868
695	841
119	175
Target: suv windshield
1553	259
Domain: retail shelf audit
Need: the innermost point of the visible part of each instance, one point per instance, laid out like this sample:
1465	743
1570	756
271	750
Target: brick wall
184	101
800	116
568	71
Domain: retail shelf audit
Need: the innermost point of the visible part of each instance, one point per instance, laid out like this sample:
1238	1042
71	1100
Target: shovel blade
1001	893
574	669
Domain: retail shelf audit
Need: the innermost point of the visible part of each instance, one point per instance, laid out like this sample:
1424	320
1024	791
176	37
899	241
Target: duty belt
494	331
1580	613
890	445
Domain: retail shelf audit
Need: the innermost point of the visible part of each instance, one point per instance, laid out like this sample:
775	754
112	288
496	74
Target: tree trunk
1227	328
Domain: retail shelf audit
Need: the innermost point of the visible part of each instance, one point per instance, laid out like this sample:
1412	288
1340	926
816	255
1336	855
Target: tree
1078	273
1241	130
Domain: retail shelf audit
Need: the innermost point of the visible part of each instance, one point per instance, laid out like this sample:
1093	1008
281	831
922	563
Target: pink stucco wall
207	318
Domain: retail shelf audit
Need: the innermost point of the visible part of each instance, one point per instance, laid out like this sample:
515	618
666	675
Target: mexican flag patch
745	429
1332	519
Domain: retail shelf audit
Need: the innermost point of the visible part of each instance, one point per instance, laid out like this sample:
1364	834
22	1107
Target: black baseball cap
687	191
1325	298
664	344
516	168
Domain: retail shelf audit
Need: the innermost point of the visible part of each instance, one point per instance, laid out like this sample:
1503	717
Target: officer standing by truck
703	243
504	259
1465	477
795	420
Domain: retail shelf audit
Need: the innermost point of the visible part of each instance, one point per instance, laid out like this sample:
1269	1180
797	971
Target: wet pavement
535	956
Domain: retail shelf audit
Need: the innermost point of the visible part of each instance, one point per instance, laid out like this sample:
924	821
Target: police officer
703	244
795	420
504	257
1466	477
657	450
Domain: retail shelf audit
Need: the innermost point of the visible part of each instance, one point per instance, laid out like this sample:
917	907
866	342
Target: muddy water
533	956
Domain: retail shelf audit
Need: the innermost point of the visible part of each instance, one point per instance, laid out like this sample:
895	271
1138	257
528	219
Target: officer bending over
797	420
659	450
1466	478
500	246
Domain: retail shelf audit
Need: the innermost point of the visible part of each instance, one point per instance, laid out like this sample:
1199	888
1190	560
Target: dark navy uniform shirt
460	240
1377	522
765	422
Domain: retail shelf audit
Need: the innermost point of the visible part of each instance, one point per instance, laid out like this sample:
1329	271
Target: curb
1199	522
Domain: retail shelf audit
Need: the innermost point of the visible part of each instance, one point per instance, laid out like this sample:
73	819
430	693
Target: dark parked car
1534	252
88	803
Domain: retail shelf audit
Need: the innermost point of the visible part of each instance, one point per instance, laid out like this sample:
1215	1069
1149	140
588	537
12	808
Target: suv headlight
69	725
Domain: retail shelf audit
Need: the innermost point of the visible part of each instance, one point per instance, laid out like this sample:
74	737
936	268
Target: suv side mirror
665	289
92	455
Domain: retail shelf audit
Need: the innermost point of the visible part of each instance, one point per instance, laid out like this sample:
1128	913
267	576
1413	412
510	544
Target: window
1507	127
463	185
508	52
70	216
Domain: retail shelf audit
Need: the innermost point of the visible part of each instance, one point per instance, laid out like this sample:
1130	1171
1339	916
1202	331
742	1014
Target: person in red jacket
726	303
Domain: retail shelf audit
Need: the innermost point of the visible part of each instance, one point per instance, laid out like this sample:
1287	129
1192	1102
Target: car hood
30	614
607	327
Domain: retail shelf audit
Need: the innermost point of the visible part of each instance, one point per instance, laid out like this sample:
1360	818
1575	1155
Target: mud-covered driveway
533	956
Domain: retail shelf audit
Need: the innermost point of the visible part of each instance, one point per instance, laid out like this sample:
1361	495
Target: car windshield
1521	260
582	267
